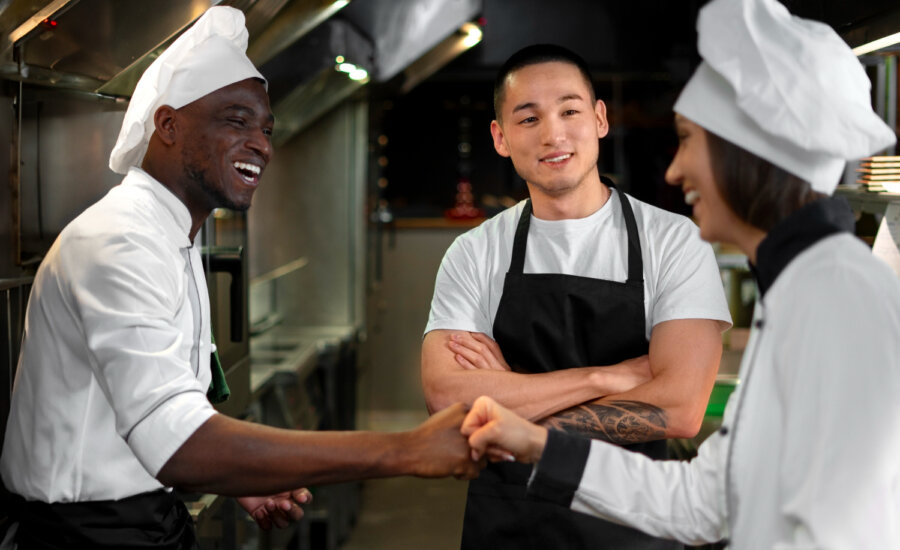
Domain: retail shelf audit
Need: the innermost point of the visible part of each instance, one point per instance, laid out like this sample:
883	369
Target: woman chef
808	455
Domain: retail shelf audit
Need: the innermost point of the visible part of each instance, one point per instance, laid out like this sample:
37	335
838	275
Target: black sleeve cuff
558	473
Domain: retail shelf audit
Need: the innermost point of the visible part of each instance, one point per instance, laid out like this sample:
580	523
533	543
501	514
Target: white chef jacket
114	367
808	456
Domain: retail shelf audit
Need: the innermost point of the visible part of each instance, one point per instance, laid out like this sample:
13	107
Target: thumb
482	438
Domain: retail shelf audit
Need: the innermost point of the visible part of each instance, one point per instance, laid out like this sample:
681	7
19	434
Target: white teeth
691	196
559	158
248	167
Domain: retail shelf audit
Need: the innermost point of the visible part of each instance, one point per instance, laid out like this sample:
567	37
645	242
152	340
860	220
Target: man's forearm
234	458
617	421
685	357
631	405
669	406
532	396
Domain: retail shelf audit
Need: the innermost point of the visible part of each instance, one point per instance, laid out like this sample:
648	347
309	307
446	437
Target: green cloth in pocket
218	391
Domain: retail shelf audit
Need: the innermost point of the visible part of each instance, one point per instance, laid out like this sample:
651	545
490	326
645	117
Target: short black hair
533	55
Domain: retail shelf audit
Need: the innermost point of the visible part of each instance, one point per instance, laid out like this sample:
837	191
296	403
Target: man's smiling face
550	126
227	144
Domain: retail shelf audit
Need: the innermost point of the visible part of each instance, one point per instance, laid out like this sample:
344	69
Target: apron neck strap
635	262
517	265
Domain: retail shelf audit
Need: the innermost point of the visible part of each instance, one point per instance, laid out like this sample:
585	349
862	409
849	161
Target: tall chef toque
787	89
208	56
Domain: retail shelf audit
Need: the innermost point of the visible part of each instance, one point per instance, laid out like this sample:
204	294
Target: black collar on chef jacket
794	234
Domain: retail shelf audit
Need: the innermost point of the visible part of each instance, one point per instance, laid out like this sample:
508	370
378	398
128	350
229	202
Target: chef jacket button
723	430
759	323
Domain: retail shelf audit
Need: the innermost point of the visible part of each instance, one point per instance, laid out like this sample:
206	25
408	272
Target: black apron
548	322
157	520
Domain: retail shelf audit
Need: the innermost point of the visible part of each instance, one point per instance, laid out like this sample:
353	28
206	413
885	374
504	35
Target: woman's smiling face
692	170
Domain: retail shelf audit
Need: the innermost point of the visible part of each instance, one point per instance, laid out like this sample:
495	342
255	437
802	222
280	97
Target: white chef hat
208	56
787	89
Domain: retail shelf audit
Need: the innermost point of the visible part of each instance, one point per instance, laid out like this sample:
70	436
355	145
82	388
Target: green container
719	397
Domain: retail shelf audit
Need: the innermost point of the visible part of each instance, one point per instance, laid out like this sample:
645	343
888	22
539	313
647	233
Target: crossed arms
661	395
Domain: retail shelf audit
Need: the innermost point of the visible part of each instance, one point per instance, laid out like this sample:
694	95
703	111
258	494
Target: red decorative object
465	208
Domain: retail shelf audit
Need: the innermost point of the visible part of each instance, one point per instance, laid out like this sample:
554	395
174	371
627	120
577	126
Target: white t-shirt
681	278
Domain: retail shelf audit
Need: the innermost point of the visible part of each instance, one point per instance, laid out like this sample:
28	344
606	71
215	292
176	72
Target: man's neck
579	202
198	215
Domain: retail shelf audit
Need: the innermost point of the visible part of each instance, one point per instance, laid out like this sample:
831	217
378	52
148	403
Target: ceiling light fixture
473	34
358	74
354	72
877	44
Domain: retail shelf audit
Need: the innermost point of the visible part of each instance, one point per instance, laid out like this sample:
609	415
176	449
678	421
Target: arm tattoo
620	422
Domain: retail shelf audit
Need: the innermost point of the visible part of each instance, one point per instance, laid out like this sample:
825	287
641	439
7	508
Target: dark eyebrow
523	106
532	105
568	97
237	107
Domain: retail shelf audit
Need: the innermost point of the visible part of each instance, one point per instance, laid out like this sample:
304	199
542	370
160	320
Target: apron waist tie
155	519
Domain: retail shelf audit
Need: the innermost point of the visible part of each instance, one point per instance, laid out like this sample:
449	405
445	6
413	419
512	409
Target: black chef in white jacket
109	409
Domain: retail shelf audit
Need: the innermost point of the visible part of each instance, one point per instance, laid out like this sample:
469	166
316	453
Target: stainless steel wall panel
66	141
7	261
310	204
398	313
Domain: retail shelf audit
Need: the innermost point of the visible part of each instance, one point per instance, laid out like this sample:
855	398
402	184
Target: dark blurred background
640	53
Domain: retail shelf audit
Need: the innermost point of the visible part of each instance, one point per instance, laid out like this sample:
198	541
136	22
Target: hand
474	350
279	510
437	449
500	433
624	376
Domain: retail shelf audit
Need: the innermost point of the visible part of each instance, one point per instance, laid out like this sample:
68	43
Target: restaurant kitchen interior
383	155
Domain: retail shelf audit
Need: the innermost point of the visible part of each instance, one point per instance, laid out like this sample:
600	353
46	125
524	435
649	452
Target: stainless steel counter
291	349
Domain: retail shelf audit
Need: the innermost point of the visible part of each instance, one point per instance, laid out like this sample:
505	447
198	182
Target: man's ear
602	122
164	122
499	139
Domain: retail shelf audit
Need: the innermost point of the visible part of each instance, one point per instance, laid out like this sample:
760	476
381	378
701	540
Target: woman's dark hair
759	192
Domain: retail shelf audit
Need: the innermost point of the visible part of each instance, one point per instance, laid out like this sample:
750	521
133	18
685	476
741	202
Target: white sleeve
664	498
126	294
689	284
460	299
839	381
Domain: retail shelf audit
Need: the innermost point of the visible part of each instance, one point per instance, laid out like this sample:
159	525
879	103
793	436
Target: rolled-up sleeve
128	290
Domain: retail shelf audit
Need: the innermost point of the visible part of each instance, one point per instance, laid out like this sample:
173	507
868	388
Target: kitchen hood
314	52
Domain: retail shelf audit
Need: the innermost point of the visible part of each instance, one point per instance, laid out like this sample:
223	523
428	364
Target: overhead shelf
866	201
